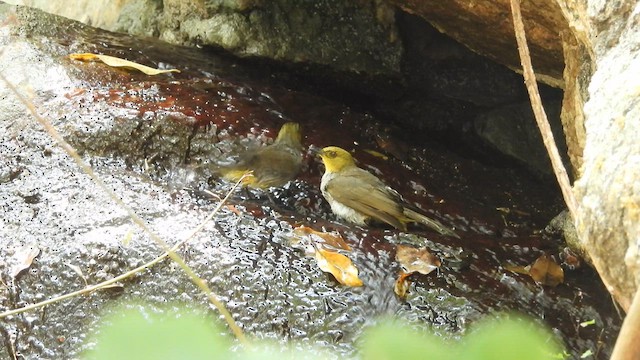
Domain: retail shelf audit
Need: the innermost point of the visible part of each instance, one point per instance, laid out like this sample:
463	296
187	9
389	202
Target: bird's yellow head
336	159
290	134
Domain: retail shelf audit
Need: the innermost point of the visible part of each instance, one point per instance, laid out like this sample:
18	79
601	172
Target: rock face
520	139
608	221
357	37
486	27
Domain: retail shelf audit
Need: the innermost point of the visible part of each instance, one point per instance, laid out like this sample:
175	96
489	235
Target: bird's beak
315	151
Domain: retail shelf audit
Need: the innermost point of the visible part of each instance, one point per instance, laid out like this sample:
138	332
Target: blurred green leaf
510	338
586	354
180	334
132	334
587	323
389	341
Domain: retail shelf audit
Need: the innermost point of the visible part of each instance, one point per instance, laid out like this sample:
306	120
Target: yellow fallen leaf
402	285
118	62
332	239
339	266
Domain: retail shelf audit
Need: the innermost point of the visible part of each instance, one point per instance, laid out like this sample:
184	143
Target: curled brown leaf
331	239
416	260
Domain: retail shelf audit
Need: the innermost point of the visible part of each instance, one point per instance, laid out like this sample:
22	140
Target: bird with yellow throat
270	166
360	197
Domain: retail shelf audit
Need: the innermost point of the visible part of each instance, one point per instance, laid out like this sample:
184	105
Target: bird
360	197
270	166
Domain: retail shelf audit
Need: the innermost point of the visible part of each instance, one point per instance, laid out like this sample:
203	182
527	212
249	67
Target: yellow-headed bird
358	196
273	165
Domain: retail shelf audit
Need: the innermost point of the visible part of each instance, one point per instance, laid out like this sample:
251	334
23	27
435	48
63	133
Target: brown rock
486	27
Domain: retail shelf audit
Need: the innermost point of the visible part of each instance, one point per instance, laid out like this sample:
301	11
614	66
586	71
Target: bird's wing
365	193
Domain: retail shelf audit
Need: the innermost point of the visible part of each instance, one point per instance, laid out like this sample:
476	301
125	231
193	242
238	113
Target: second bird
358	196
273	165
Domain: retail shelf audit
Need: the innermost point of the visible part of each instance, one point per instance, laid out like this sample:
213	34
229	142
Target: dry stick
136	219
538	111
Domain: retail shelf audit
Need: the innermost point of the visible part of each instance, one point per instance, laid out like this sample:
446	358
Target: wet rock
604	103
563	224
486	28
348	37
514	132
438	66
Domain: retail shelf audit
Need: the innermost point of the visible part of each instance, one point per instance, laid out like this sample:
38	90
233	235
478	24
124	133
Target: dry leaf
339	265
391	146
23	258
126	240
517	268
334	240
402	285
233	209
118	62
545	271
78	271
416	260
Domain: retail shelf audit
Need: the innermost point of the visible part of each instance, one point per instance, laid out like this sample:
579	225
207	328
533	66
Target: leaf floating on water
339	266
416	260
23	258
121	63
545	271
334	240
401	287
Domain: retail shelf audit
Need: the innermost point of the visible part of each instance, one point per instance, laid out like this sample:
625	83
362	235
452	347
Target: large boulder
605	66
357	37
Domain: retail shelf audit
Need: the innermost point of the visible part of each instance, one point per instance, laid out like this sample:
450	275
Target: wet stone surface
157	141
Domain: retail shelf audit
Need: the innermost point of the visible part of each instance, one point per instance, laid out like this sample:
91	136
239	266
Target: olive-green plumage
358	196
273	165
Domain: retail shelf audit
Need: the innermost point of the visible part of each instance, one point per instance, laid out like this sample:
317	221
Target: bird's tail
431	223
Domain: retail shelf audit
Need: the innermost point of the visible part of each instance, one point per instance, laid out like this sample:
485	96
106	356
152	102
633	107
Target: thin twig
89	289
132	214
538	111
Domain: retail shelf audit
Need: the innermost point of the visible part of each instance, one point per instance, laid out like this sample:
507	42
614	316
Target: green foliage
510	338
131	335
172	335
390	340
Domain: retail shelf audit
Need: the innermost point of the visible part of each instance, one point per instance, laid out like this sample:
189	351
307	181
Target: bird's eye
332	154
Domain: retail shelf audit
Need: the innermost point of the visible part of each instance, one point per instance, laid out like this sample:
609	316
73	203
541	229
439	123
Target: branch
538	111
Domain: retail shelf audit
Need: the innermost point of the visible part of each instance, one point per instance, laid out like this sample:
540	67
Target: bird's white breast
338	208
